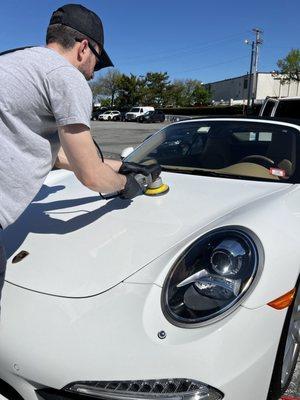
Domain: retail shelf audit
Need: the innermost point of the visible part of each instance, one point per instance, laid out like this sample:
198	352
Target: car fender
280	258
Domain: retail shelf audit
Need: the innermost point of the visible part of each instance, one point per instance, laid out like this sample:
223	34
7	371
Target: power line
186	50
212	65
166	59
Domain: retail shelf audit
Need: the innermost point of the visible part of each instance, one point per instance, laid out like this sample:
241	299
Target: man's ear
82	49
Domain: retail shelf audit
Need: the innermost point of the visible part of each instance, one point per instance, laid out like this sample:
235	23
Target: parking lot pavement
115	136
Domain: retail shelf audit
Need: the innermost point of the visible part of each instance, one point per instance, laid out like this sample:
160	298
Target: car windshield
238	149
135	109
149	112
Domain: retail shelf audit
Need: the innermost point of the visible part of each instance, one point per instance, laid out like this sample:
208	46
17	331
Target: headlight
212	277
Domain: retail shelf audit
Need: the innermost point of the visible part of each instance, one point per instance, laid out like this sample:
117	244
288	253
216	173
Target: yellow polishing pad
157	191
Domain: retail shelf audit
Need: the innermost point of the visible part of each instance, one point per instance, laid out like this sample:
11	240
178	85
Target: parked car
152	116
97	112
110	115
284	107
137	112
190	295
122	116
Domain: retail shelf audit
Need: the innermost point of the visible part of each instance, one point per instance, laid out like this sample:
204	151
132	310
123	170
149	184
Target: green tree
154	89
130	91
155	86
107	86
200	96
190	86
105	102
188	93
176	94
290	66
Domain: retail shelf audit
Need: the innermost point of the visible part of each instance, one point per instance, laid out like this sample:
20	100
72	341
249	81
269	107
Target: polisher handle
144	181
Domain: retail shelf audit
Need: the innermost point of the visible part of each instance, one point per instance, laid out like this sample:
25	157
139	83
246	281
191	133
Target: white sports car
191	295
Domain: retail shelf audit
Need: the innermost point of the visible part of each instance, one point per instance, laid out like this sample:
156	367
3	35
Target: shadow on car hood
80	245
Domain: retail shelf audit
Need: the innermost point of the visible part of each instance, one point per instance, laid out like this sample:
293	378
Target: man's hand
130	167
132	188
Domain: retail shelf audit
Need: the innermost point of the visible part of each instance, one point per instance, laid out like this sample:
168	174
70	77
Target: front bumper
50	342
131	117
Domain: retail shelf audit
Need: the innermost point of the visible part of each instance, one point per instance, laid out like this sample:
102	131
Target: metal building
235	90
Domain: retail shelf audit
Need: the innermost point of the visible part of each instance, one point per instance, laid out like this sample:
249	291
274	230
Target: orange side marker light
283	301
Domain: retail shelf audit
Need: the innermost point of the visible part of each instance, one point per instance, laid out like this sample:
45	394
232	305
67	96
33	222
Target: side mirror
125	153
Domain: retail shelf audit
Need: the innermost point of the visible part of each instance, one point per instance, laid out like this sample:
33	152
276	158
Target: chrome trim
193	278
233	251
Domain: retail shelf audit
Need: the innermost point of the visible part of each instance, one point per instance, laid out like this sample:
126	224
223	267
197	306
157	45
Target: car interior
254	149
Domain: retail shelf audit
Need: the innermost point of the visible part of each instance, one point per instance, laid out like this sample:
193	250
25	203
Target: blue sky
188	39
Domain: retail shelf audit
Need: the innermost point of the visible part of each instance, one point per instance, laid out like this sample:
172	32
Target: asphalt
115	136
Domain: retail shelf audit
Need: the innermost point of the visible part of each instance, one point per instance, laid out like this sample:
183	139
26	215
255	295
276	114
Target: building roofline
236	77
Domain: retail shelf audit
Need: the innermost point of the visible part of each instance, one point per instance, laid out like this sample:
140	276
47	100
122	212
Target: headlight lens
211	277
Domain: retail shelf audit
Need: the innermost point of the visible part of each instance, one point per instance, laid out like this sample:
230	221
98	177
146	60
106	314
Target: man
45	110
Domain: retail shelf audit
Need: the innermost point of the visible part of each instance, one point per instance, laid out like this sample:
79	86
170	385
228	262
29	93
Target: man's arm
63	163
114	164
61	160
80	156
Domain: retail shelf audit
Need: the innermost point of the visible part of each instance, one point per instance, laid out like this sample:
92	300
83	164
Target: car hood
80	245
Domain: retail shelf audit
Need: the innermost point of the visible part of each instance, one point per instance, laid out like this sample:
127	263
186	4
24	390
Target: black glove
132	188
130	167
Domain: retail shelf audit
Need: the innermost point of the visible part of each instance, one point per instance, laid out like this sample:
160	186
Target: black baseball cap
86	22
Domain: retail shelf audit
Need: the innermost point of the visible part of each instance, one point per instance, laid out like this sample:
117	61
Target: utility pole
250	76
252	82
258	42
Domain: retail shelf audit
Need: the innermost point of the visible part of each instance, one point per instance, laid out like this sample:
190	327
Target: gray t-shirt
39	91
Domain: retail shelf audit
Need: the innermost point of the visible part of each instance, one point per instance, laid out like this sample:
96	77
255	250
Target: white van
283	107
136	112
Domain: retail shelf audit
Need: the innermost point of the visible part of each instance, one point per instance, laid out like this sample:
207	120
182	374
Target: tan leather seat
216	153
282	150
